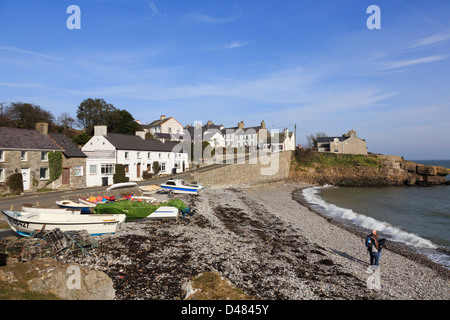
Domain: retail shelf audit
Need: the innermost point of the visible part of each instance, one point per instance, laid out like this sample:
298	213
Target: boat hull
163	213
185	190
26	224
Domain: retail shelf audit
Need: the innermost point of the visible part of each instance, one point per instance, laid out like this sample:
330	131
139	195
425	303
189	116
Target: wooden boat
93	201
181	186
150	189
164	213
122	185
67	204
30	209
26	224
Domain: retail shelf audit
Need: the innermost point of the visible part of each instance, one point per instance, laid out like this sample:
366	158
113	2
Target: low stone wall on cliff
391	171
264	169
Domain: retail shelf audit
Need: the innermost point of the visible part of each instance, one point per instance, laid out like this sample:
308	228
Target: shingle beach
266	243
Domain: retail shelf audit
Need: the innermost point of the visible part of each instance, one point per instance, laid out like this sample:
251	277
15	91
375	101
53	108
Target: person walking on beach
373	247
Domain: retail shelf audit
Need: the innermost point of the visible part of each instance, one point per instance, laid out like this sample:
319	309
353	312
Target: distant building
237	137
280	141
164	128
346	144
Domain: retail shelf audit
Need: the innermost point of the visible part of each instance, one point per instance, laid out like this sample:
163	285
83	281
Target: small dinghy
26	224
181	186
28	208
163	213
67	204
122	185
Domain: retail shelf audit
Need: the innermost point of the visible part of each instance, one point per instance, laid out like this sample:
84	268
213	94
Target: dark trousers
374	257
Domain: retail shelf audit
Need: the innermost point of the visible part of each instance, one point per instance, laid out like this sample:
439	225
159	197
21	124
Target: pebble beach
268	243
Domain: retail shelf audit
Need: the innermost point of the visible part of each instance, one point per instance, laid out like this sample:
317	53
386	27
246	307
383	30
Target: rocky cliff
371	170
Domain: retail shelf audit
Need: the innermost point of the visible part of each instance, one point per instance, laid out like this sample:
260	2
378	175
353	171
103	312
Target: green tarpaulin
134	209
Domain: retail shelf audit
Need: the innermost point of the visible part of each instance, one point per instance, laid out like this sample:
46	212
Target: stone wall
270	168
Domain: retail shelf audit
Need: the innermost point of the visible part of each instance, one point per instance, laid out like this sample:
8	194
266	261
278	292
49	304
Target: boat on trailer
26	223
181	186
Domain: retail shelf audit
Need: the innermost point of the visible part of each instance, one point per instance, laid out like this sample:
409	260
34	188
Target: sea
416	216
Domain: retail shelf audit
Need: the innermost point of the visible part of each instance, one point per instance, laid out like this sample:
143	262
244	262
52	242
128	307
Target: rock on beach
263	241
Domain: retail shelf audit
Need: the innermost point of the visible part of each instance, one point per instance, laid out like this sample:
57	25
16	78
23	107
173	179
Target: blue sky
312	63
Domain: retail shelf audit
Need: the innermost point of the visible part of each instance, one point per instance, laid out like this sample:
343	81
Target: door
25	178
138	169
66	176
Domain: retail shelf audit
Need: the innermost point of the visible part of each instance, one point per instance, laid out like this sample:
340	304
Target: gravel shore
266	242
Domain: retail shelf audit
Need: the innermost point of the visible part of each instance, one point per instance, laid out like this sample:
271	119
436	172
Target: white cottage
105	150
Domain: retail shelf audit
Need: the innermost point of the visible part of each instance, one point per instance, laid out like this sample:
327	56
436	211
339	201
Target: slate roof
25	139
70	149
130	142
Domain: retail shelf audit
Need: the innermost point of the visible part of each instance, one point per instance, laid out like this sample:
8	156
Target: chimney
100	131
141	134
263	125
42	127
163	117
241	125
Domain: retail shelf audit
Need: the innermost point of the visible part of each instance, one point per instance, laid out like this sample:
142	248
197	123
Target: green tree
92	112
26	115
121	121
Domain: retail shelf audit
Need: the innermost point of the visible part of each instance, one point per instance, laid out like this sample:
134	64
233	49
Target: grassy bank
310	158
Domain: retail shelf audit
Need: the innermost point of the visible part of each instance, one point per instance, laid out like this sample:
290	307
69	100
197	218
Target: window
23	155
163	166
126	167
43	174
149	167
79	171
107	169
138	155
2	175
127	155
2	155
93	169
148	155
44	156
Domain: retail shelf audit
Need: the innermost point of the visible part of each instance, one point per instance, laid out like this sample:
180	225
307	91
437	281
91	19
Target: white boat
181	186
95	224
122	185
164	213
67	204
31	209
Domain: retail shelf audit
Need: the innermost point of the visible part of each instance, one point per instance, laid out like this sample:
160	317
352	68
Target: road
49	198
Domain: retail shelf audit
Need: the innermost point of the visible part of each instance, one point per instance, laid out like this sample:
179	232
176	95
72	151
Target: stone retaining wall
269	168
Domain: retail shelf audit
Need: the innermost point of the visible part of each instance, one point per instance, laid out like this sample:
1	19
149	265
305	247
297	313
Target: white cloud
432	40
235	44
407	63
28	52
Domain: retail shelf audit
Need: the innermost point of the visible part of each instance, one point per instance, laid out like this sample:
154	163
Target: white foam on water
332	211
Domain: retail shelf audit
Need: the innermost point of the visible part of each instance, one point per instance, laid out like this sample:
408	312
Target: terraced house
27	152
104	150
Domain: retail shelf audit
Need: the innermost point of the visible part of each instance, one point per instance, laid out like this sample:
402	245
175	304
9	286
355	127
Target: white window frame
2	155
90	169
2	175
44	156
46	173
23	155
107	169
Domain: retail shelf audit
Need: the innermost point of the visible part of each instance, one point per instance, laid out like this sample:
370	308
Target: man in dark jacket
373	247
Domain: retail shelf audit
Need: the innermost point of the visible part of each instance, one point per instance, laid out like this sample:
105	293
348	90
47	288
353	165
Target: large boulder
71	282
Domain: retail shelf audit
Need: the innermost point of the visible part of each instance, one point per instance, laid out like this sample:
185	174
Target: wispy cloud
235	44
28	52
432	40
407	63
203	18
21	85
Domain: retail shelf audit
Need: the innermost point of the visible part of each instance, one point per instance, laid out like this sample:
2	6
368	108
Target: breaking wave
360	220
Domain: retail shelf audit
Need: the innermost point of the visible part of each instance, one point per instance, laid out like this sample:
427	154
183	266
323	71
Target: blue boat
181	186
